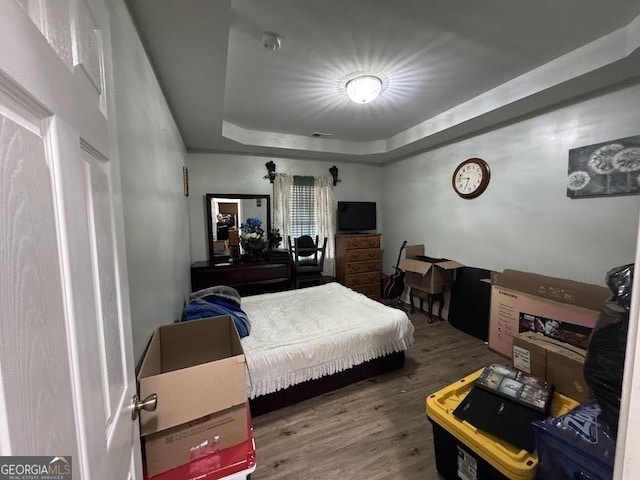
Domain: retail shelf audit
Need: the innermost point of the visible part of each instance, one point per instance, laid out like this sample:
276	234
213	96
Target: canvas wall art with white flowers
607	168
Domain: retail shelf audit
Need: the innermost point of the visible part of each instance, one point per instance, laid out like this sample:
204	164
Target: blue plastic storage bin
575	446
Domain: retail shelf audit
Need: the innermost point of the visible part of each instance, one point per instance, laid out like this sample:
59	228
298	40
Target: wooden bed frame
303	391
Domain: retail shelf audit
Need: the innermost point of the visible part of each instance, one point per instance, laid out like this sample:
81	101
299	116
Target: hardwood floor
373	430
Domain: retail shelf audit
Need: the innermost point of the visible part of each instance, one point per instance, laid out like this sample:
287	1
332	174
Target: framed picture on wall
603	169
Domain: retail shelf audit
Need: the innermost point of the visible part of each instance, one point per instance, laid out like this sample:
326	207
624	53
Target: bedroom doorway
227	231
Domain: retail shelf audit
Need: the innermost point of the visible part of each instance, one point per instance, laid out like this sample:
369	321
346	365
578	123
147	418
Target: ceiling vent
321	135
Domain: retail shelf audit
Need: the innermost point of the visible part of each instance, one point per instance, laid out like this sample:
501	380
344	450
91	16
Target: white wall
220	173
523	220
155	210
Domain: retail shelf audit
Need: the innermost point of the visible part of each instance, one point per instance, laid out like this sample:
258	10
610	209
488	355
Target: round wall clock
471	178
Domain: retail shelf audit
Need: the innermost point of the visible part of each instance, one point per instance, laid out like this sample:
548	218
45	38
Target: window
302	209
305	206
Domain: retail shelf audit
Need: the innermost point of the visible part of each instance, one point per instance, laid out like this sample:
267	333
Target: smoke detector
271	41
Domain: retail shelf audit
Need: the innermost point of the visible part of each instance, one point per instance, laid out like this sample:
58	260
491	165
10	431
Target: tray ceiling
448	69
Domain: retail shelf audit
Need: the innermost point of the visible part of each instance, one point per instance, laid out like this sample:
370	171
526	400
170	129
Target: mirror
225	212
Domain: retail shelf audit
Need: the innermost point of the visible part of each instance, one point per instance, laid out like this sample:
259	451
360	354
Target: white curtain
325	213
282	187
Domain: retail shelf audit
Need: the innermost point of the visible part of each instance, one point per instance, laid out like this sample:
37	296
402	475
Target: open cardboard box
197	369
431	275
561	309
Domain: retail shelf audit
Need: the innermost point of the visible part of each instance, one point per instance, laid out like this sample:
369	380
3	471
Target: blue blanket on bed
214	305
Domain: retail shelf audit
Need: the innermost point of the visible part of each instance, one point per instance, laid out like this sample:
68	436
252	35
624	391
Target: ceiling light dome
364	89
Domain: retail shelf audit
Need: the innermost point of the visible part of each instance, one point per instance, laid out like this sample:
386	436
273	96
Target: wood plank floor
373	430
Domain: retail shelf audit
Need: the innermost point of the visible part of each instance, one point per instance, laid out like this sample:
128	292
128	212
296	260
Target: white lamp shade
364	89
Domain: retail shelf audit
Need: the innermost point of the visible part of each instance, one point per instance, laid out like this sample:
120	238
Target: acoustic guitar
395	284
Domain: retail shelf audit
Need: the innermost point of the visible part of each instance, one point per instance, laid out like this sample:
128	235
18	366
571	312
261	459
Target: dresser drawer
247	278
362	278
213	276
363	254
359	262
370	290
361	267
265	272
363	242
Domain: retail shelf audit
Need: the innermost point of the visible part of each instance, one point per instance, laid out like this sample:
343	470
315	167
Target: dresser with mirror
224	215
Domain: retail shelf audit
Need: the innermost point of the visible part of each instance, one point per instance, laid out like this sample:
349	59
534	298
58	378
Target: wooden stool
431	298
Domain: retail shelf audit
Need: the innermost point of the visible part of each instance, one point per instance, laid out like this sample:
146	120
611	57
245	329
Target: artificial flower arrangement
252	239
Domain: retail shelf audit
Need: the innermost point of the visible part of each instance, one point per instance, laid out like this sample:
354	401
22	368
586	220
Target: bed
309	341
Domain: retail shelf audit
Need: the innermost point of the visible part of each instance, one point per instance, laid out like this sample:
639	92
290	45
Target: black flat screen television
356	216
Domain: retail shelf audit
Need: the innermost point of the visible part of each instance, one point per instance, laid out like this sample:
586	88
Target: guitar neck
404	244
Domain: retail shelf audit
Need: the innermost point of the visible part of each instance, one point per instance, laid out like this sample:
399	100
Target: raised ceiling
448	68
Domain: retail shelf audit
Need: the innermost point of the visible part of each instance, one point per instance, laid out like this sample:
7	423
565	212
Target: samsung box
431	275
560	363
557	308
197	370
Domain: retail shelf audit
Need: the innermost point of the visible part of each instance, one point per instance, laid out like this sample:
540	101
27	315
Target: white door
66	357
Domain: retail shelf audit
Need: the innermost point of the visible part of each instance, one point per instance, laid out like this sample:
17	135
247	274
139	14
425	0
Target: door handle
149	404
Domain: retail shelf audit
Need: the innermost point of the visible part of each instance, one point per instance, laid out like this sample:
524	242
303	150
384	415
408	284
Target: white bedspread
305	334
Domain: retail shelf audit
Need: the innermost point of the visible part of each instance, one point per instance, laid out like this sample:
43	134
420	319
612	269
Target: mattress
305	334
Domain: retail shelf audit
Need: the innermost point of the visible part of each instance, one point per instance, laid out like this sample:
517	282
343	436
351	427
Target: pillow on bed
222	292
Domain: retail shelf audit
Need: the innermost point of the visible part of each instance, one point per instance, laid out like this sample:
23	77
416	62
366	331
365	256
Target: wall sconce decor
271	171
334	173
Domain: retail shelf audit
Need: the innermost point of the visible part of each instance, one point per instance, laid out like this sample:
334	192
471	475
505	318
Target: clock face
471	178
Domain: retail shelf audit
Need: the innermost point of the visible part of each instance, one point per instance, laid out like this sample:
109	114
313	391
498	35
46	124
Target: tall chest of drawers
359	262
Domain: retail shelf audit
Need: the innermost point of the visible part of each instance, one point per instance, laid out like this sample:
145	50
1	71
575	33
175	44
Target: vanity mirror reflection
225	213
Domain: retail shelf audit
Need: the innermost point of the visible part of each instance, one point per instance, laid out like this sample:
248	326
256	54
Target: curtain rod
271	173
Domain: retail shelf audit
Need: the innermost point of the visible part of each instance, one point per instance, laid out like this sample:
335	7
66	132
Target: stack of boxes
543	324
551	321
561	364
197	370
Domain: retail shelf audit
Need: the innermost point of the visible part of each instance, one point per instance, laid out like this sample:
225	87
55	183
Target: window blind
303	211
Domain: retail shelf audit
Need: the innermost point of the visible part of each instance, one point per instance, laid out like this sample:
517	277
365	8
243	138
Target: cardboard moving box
561	364
177	446
560	309
431	275
197	369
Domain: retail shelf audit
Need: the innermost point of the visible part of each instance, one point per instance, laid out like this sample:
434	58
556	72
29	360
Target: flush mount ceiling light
364	89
